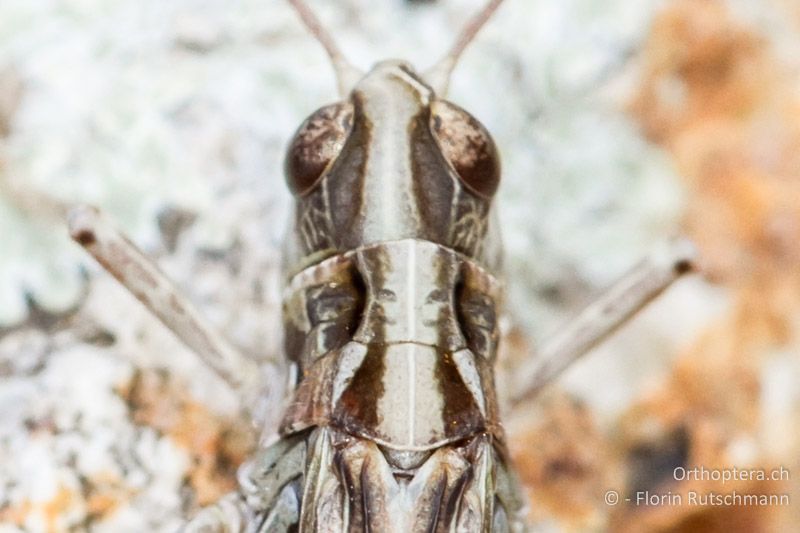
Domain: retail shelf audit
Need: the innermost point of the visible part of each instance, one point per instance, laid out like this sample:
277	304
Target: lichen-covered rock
172	116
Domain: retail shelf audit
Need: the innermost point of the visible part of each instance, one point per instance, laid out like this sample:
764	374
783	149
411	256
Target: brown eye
467	146
316	144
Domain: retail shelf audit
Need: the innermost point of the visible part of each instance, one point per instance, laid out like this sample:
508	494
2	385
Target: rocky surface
173	117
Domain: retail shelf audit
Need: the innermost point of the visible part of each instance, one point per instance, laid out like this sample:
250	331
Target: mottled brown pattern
316	144
357	409
432	180
453	163
310	405
450	335
334	310
461	413
477	315
372	265
445	199
468	147
293	341
345	180
469	229
438	500
493	425
313	223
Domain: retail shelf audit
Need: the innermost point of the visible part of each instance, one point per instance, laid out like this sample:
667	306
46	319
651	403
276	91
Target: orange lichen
56	507
100	496
104	494
216	444
16	514
732	125
736	138
564	462
717	98
49	511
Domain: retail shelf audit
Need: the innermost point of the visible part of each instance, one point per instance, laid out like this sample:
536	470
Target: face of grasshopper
390	311
392	162
390	318
390	315
397	184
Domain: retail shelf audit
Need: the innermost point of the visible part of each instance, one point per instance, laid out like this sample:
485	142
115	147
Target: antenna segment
346	74
439	75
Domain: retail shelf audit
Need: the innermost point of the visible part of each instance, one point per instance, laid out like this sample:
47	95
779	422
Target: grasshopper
391	307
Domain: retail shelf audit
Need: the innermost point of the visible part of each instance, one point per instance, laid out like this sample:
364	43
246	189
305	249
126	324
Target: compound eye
468	147
316	145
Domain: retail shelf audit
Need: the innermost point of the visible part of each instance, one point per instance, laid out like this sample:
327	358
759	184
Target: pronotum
393	289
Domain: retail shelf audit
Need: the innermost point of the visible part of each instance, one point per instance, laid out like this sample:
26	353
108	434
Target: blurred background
621	124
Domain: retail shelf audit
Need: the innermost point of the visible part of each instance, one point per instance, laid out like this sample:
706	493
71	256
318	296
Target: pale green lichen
139	105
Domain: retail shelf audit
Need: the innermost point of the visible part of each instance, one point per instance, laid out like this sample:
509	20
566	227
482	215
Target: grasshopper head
393	161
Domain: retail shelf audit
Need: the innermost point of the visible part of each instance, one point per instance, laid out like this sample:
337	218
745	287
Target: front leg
229	515
232	514
269	493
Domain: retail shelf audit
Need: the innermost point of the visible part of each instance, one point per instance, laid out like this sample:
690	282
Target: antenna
439	75
346	74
